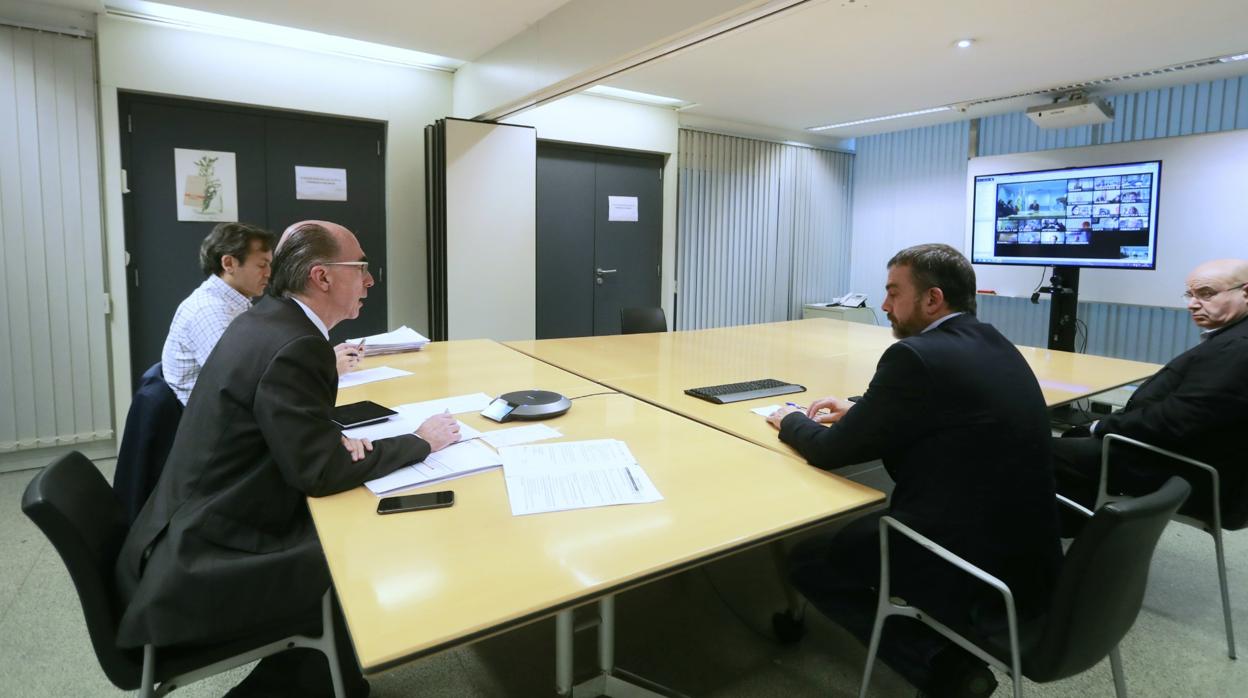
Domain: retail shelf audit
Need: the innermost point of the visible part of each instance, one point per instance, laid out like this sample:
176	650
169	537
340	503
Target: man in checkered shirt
236	258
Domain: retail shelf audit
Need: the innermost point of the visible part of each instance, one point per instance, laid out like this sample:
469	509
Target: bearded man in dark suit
958	419
225	546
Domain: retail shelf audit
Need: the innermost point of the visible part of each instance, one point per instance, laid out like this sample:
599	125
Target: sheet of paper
464	458
370	375
403	335
574	475
515	436
765	411
622	208
320	183
402	424
455	405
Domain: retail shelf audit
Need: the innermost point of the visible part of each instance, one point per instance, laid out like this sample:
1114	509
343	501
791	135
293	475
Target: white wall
617	124
1200	214
144	57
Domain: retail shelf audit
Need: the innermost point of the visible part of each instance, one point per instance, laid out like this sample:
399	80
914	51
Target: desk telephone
850	300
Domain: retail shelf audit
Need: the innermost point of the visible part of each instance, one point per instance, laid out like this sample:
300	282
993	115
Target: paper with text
458	460
574	475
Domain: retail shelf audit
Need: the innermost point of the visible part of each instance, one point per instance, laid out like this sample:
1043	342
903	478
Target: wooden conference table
413	584
829	357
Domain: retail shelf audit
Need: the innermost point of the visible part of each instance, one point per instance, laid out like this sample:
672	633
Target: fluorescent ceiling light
1238	57
275	34
874	119
641	97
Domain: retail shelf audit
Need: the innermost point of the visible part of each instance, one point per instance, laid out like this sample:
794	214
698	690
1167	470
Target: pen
629	473
359	348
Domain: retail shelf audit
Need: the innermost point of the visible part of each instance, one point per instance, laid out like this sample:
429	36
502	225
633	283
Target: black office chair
641	320
151	425
1097	598
1212	520
70	501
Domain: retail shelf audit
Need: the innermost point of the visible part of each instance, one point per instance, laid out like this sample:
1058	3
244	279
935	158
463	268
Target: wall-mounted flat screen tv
1102	216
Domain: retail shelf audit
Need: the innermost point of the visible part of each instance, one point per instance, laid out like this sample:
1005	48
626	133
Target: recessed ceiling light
964	43
641	97
874	119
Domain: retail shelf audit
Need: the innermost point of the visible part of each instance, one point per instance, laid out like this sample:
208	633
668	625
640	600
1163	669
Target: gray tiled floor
702	633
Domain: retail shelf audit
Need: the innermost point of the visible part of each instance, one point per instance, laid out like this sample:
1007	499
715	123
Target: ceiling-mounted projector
1077	111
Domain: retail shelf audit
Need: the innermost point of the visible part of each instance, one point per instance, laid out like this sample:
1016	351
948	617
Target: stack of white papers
393	342
457	460
370	375
574	475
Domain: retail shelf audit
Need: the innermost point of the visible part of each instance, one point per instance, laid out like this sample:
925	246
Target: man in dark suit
225	546
958	419
1196	405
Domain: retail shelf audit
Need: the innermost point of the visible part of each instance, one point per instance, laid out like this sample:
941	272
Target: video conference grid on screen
1089	216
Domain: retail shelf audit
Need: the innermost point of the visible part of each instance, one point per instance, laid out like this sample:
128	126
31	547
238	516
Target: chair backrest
151	425
1101	587
70	501
640	320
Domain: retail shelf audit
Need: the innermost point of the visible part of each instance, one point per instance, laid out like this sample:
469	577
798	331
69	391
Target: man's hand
778	416
348	357
440	431
357	447
836	408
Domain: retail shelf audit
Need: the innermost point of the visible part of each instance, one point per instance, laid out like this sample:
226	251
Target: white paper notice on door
320	183
622	208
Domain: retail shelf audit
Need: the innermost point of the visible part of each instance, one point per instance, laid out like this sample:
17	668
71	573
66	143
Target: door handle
601	271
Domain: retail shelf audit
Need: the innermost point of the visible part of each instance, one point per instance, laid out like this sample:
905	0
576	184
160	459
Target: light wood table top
829	357
415	583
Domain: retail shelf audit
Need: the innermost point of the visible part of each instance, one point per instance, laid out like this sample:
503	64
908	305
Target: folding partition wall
481	196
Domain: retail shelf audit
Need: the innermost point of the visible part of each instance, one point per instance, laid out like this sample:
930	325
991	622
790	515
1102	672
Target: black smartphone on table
416	502
358	414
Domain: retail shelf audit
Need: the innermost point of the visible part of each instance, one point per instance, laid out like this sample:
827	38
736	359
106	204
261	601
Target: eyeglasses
1207	294
362	266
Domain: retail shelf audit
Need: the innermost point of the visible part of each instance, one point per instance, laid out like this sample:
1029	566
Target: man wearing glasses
1196	405
225	547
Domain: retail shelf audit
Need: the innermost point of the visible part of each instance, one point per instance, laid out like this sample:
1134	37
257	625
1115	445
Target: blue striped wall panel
887	167
1136	332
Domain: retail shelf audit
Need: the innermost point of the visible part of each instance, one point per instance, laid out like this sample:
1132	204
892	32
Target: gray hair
940	266
300	250
233	239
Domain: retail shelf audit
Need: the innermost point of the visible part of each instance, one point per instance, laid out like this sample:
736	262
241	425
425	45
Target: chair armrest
947	555
1102	488
1076	506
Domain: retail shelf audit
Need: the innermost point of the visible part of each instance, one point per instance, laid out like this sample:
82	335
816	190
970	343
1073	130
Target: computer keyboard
748	390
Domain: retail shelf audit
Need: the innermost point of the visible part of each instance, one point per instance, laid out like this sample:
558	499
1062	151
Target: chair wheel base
788	628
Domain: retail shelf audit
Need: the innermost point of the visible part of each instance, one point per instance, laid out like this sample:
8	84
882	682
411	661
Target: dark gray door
163	265
352	146
589	266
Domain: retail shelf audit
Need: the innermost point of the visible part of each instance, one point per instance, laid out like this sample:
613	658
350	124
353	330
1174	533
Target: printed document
574	475
457	460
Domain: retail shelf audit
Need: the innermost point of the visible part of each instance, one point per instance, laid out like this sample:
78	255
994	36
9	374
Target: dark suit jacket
957	416
226	543
150	427
1197	405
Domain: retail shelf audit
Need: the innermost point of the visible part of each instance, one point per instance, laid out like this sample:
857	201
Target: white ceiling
841	60
831	61
462	29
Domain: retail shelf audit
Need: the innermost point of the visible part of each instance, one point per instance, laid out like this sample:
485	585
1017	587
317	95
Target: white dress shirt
197	325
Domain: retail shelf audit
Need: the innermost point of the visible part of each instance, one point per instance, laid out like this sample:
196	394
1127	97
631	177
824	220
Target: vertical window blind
762	228
54	383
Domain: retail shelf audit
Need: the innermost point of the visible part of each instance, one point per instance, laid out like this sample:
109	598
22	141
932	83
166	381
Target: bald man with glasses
1196	405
